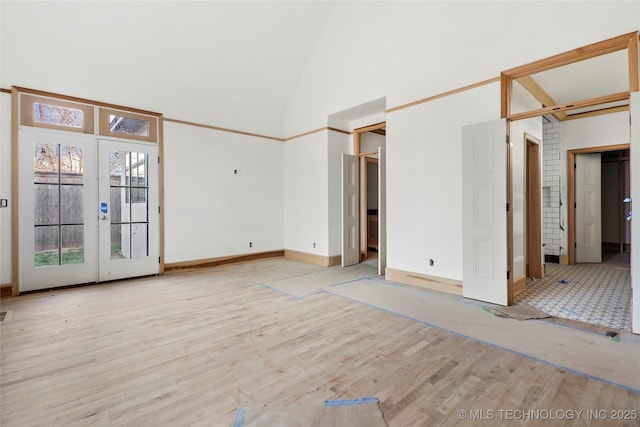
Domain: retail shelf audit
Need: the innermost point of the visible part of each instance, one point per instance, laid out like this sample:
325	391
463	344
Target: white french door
57	231
128	203
88	209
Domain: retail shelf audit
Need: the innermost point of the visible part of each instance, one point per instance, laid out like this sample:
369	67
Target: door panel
382	211
484	191
634	111
588	208
57	199
350	211
129	219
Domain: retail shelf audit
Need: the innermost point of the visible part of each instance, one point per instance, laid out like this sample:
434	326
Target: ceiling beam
534	89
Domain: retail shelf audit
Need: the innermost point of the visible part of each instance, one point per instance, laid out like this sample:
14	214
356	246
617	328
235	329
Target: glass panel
139	207
47	246
139	240
72	244
46	204
116	158
45	163
72	201
120	241
71	164
57	115
119	207
128	125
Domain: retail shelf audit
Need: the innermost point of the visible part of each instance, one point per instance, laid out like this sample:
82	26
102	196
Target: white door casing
588	208
484	212
350	211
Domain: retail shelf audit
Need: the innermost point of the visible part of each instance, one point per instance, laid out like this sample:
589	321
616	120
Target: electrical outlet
431	262
314	244
250	244
4	203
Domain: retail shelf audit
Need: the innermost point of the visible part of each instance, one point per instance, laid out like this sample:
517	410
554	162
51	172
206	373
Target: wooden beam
590	51
621	96
598	112
545	99
634	58
15	222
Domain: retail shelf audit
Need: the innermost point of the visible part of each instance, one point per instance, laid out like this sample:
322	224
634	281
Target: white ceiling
591	78
226	63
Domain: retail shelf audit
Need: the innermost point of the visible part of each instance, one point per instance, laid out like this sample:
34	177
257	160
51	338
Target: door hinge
508	275
158	260
574	166
158	159
158	209
507	138
575	206
507	207
575	244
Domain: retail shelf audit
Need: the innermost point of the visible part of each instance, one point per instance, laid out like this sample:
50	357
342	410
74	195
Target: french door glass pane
71	197
46	209
139	240
47	246
72	238
120	241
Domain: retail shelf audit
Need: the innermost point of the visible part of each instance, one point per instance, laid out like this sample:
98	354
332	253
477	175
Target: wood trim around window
27	102
103	125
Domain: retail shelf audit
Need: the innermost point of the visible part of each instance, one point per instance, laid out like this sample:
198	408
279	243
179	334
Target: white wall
424	180
420	49
306	197
554	229
212	212
5	188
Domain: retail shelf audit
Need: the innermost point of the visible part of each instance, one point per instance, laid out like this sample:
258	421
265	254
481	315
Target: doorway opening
592	283
534	267
369	148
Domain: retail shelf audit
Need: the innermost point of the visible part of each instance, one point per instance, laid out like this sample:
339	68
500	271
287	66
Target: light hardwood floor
190	348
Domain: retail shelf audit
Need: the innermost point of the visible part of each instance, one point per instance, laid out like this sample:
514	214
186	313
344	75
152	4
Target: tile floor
599	294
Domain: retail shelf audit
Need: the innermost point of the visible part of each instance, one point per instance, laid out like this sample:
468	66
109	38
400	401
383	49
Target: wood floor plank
191	347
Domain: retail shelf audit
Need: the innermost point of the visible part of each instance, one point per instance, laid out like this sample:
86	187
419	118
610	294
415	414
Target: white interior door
382	211
484	216
634	111
350	211
57	207
129	217
588	208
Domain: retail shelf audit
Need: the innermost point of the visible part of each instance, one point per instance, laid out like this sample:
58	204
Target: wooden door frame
534	259
571	189
362	197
